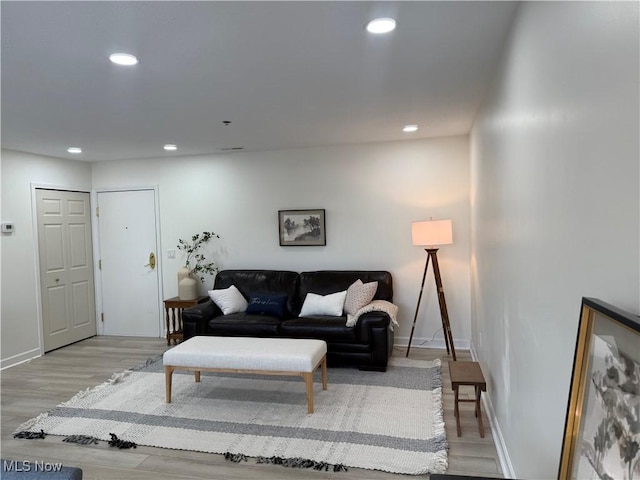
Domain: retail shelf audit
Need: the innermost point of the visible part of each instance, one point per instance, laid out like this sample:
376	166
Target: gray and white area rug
389	421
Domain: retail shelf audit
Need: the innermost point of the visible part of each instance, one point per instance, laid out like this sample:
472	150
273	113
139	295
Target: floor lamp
432	233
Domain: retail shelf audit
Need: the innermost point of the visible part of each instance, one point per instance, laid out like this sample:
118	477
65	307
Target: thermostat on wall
7	227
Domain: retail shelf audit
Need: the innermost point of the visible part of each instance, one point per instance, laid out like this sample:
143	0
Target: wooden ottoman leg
166	324
198	376
308	378
168	373
324	372
478	412
477	405
456	412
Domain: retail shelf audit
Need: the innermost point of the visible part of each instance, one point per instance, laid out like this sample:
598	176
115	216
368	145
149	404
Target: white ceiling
286	74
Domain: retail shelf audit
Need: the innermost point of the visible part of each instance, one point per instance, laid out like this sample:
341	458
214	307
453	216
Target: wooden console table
173	308
467	373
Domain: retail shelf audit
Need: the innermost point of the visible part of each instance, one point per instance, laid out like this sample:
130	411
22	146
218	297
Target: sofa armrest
373	329
369	322
195	319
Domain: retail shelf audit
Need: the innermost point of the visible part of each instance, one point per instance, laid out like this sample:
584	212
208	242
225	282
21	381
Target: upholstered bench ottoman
266	356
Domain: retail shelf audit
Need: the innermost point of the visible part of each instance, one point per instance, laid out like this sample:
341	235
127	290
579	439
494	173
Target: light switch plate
7	227
171	253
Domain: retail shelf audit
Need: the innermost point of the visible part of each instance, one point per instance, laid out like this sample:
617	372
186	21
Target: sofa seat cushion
329	329
245	324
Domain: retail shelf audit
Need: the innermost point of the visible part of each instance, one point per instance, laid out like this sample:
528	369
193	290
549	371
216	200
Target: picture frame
602	426
302	227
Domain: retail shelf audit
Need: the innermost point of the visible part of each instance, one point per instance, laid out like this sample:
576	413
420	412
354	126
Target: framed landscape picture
602	428
302	227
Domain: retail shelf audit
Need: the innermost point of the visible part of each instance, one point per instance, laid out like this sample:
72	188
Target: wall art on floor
602	429
302	227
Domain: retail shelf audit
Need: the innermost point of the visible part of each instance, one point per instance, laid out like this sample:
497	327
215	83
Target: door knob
152	261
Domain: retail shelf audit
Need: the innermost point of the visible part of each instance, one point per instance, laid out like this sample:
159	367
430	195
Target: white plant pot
183	273
187	289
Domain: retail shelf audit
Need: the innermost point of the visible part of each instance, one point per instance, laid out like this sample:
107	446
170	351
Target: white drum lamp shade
432	232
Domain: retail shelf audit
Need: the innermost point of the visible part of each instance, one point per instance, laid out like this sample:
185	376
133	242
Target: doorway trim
97	254
34	220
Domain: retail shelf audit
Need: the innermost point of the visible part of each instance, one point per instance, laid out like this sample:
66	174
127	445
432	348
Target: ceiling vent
230	148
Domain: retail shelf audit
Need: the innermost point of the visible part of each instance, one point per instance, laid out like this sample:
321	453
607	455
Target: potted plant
196	264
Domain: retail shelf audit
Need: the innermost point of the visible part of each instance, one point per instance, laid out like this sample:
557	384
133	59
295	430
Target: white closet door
66	267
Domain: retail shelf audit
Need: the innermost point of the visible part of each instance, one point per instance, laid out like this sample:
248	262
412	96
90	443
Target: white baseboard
429	343
501	447
19	358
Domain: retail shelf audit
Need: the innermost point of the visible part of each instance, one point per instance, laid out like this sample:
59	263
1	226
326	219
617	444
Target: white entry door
129	274
66	267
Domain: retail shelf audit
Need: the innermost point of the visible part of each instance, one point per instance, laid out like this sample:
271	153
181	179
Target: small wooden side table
467	373
173	308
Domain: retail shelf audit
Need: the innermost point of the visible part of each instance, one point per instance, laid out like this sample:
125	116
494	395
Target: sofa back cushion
324	282
263	281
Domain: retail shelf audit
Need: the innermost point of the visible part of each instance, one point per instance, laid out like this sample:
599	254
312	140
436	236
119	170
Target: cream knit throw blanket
376	306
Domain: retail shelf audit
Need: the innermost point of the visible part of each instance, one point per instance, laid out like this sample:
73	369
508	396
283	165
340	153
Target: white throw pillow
358	295
330	305
229	300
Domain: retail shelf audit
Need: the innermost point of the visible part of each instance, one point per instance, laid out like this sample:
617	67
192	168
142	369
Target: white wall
555	202
371	194
19	321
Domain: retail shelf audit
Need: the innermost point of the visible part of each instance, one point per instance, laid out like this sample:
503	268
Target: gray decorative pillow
358	295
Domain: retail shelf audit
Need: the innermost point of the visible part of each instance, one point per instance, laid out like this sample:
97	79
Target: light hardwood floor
39	385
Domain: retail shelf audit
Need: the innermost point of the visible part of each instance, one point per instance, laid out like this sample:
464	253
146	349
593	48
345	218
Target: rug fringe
115	378
29	424
30	435
235	457
149	361
81	439
117	442
440	460
295	462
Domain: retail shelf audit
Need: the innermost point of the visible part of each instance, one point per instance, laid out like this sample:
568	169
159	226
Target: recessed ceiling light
410	128
124	59
74	150
170	146
381	25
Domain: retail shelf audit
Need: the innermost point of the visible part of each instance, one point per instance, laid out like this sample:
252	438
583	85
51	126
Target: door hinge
99	264
97	211
102	317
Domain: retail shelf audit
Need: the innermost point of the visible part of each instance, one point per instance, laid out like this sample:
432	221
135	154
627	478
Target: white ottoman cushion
247	353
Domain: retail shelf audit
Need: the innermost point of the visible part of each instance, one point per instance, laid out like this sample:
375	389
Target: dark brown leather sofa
367	346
